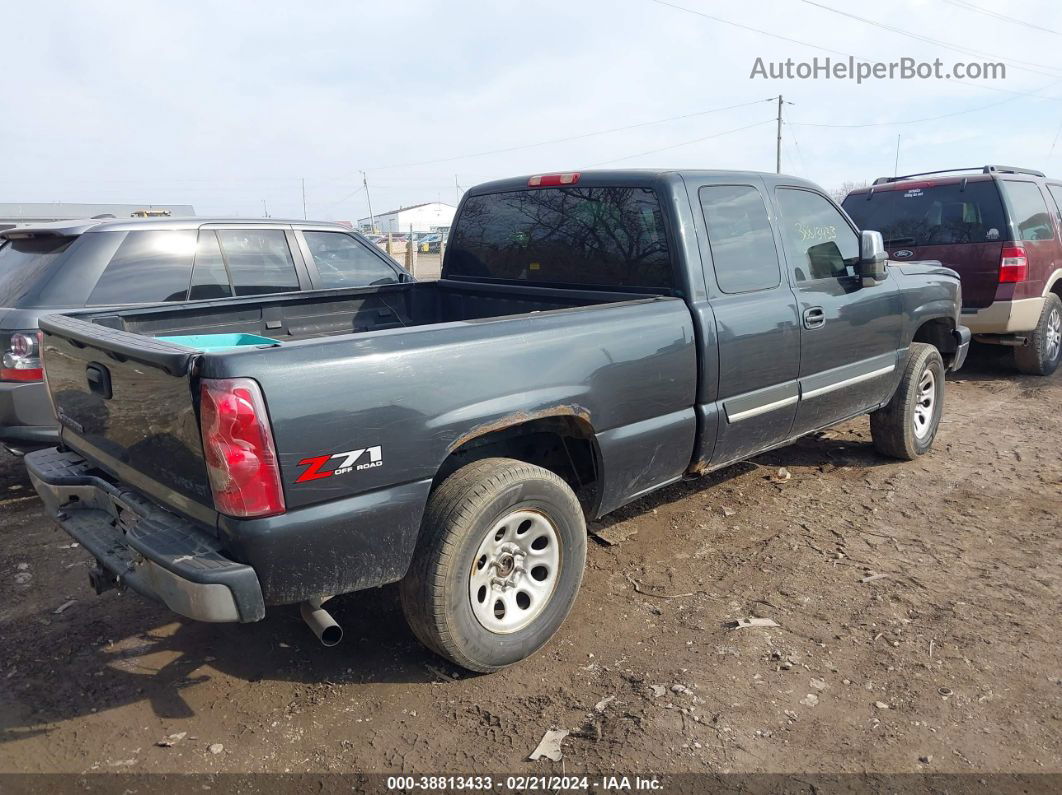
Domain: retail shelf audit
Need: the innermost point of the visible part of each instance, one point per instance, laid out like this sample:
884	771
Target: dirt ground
947	661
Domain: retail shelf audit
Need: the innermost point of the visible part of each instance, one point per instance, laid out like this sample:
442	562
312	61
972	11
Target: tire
480	546
906	426
1043	351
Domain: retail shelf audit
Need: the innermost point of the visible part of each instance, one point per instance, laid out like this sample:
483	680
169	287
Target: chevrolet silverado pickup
594	337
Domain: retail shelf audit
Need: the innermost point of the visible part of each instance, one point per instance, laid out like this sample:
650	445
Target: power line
1025	65
683	143
826	49
571	137
1003	17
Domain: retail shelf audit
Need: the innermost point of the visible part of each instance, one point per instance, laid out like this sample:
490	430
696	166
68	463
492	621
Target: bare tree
847	187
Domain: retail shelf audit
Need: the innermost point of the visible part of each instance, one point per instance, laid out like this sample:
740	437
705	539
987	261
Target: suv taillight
238	446
1013	265
22	359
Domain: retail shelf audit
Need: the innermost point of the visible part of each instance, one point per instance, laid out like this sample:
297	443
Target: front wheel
1042	352
498	564
906	426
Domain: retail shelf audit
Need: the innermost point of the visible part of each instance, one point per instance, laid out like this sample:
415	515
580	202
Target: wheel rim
1054	334
515	571
925	404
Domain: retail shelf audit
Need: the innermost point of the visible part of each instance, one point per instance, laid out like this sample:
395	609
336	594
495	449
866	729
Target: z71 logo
348	462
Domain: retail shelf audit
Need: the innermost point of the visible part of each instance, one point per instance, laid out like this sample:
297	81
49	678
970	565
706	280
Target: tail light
1013	265
552	180
22	359
238	446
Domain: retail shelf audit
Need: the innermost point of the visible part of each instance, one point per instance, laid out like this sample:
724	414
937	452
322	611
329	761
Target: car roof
640	176
75	227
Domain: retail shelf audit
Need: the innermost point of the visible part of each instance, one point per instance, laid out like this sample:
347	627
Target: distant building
429	217
35	212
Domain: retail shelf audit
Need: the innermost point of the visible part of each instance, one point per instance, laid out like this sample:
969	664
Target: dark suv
114	263
999	227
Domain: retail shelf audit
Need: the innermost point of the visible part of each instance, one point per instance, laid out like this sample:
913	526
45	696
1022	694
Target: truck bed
337	312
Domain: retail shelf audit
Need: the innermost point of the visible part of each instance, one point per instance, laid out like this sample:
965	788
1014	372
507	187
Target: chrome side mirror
872	257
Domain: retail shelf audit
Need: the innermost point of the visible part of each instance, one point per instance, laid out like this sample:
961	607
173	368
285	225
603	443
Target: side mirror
872	258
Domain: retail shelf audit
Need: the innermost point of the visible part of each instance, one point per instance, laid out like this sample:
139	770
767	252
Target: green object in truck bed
216	342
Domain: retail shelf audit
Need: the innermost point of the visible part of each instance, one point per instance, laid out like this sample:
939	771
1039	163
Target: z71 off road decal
348	462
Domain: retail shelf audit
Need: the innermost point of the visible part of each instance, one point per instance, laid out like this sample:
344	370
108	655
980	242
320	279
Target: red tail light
552	180
238	446
1013	265
22	359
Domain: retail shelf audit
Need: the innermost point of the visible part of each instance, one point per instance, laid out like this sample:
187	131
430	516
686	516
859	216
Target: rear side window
1028	210
24	262
343	261
601	237
740	236
259	261
931	215
147	267
209	277
1056	194
819	242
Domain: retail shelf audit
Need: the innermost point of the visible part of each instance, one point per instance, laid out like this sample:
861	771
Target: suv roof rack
983	169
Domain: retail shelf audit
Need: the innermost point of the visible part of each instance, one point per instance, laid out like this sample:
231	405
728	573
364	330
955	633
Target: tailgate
976	263
126	402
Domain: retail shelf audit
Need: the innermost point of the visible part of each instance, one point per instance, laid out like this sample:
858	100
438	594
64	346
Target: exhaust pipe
321	622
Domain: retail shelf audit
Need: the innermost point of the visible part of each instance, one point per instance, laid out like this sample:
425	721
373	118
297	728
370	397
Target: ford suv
999	227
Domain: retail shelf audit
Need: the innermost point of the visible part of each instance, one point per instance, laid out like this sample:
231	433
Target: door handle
814	317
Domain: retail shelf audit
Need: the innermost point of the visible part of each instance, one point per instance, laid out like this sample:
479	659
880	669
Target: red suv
999	227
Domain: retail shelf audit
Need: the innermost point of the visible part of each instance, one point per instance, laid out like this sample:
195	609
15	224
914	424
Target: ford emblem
903	253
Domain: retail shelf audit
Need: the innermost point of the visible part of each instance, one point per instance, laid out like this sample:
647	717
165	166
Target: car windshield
23	262
932	215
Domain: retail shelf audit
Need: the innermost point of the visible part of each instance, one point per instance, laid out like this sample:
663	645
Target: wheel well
1056	288
938	333
564	445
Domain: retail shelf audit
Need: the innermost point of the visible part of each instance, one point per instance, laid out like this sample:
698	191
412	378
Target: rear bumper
1005	317
26	420
145	548
962	347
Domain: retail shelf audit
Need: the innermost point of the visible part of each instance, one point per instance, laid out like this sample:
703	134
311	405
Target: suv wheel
1043	351
906	426
498	564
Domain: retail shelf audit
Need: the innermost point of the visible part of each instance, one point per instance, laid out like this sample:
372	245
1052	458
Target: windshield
23	262
933	215
607	236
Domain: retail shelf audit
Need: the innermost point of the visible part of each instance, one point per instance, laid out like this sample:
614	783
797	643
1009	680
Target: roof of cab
635	176
77	227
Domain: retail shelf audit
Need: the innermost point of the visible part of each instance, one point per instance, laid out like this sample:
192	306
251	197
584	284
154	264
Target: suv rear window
23	262
932	215
604	237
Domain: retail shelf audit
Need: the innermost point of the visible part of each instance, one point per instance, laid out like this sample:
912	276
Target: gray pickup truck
593	337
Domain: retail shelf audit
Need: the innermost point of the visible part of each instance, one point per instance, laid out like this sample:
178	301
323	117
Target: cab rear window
595	236
942	214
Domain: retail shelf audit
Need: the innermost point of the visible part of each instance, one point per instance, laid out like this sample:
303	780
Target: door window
1028	210
259	261
209	277
818	240
148	267
740	236
343	261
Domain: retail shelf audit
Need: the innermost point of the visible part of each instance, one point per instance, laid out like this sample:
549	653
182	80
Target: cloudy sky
227	106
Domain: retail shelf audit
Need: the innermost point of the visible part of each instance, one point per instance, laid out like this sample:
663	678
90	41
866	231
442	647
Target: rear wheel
498	565
906	426
1043	350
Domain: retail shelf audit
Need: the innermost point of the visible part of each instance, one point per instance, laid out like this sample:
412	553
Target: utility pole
304	198
457	191
778	144
265	210
368	198
896	162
